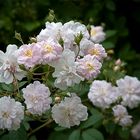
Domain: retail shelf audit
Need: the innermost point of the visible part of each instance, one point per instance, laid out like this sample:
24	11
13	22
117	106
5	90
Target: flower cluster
43	77
71	52
126	94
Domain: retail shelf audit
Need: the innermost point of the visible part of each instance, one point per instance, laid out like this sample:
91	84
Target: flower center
5	115
34	99
93	52
28	53
93	32
48	48
89	66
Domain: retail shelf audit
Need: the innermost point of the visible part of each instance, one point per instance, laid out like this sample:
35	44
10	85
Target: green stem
78	51
16	86
39	73
38	128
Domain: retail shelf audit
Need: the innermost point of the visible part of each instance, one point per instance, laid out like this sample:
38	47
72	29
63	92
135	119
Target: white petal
2	57
6	74
10	49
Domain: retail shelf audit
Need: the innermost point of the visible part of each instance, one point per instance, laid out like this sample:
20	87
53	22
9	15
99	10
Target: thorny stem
41	126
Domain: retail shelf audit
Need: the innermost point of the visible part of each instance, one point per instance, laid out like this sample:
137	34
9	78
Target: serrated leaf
92	134
75	135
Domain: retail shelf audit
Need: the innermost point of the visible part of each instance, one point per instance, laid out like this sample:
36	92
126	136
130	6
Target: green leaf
92	120
26	125
1	90
108	45
58	136
21	84
30	26
33	138
20	134
59	128
92	134
110	33
81	88
124	133
110	127
94	111
8	87
75	135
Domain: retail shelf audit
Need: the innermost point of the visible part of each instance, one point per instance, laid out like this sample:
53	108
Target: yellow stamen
90	66
93	32
93	52
28	53
48	48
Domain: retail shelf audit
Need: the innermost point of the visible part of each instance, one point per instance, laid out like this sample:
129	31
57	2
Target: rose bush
65	80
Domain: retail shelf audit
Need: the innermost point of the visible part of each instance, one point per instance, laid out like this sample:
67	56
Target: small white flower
97	34
69	112
9	67
52	31
65	71
29	55
129	89
102	94
121	116
11	113
88	47
50	51
37	98
70	30
88	67
136	131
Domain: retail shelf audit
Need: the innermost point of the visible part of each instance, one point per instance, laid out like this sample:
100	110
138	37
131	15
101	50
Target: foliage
27	17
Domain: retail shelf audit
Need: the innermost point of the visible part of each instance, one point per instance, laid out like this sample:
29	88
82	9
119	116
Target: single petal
10	49
2	57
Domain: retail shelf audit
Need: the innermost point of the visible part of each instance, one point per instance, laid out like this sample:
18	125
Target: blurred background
120	18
